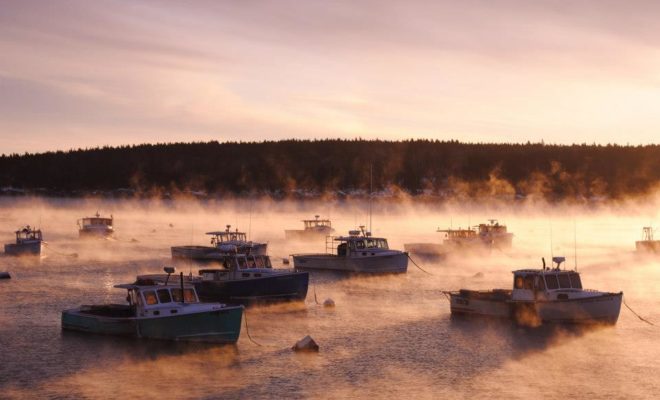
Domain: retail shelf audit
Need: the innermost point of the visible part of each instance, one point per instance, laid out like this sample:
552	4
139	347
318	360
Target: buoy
306	344
5	275
329	303
171	225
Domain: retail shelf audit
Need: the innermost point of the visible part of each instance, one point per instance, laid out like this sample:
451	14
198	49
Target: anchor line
58	253
247	329
415	264
637	315
315	300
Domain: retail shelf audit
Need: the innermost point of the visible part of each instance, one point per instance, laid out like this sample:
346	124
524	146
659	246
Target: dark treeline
295	167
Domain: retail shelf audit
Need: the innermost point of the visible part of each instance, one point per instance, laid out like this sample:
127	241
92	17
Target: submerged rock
306	344
5	275
329	303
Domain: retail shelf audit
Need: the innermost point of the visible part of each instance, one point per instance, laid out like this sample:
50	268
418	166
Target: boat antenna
371	191
250	220
575	243
551	255
182	297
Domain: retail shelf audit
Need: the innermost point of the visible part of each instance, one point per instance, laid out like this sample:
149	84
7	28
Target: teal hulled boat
167	312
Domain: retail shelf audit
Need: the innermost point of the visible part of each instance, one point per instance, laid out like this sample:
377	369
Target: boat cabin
459	234
152	299
492	228
244	261
546	283
359	242
95	222
227	236
317	224
28	235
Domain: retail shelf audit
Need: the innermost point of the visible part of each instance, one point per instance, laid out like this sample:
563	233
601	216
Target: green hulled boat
159	311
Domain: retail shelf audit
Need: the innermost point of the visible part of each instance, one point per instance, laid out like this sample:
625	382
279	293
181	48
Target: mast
371	190
575	244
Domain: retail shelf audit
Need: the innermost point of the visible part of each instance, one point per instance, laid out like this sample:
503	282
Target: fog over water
388	336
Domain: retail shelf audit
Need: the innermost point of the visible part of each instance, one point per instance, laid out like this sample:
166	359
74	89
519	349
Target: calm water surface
387	336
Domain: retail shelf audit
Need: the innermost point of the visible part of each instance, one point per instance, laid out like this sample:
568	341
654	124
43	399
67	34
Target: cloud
477	71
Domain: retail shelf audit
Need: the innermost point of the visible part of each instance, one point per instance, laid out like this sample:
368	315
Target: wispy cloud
78	73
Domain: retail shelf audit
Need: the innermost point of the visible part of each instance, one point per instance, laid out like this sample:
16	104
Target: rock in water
306	344
329	303
478	275
5	275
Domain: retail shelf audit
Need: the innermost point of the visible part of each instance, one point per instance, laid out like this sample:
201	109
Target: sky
78	73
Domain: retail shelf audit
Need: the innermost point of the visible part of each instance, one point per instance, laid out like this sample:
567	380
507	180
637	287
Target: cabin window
267	262
564	282
551	281
540	283
518	282
251	263
351	245
259	262
150	297
133	298
575	280
529	282
383	244
164	296
176	295
189	295
359	244
370	243
242	262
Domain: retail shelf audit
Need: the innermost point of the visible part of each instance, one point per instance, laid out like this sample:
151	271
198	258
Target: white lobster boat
96	227
547	295
314	229
29	241
647	244
358	252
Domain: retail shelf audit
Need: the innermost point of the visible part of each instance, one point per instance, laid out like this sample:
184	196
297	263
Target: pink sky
90	73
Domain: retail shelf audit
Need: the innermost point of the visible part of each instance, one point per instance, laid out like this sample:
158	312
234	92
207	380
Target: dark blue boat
245	279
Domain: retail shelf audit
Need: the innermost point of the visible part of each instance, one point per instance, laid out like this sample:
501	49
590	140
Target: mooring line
58	253
315	300
415	264
637	315
247	329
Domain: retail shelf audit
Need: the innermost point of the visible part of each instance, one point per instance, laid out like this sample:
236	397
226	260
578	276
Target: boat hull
426	251
216	326
392	263
601	308
289	286
93	233
604	308
24	249
306	235
648	246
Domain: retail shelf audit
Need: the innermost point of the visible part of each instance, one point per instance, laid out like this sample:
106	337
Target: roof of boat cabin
225	233
356	237
543	271
155	285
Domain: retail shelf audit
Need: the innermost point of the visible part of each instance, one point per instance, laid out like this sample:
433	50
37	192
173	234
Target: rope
637	315
247	329
58	253
315	300
415	264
